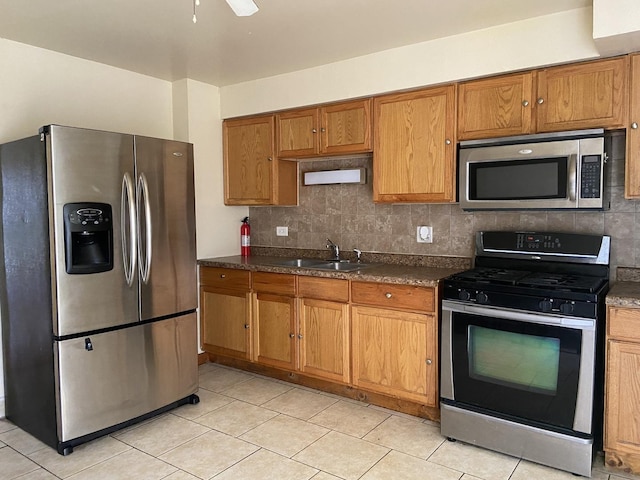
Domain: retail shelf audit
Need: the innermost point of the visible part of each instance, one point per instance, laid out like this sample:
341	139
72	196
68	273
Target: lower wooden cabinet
622	389
394	351
274	319
378	337
225	311
323	331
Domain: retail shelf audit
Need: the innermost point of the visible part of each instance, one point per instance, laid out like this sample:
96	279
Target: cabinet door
274	330
346	127
622	411
495	107
248	161
632	159
587	95
297	133
225	321
414	146
395	353
324	339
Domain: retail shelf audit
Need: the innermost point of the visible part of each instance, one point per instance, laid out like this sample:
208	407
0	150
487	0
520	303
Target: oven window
526	362
517	369
518	179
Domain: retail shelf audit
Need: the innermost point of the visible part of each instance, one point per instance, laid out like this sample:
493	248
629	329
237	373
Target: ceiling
158	37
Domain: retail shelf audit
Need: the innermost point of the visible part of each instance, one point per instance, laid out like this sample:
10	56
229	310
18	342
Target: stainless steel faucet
334	248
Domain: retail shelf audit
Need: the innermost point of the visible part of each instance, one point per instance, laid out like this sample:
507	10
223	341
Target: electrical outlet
424	234
282	231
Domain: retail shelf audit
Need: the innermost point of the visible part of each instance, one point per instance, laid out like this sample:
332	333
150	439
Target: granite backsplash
347	215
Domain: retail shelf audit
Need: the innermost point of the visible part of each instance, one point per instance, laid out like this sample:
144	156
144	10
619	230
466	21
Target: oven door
528	367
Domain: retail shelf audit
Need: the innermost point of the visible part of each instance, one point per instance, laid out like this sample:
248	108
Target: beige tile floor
251	427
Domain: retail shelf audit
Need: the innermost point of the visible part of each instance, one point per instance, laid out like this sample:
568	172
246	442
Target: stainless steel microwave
557	171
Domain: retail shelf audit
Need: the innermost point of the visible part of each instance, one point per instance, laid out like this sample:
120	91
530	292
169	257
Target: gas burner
498	276
562	282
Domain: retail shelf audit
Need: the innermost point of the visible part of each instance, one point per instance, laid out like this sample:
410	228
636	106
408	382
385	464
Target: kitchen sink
300	262
342	266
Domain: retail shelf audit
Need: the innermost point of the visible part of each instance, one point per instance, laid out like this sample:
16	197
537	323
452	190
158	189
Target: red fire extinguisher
245	238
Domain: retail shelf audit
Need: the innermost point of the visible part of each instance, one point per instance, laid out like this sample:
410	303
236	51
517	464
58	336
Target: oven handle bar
509	314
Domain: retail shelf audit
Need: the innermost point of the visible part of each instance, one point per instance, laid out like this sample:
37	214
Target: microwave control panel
591	176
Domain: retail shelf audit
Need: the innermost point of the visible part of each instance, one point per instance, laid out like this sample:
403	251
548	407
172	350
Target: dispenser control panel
88	216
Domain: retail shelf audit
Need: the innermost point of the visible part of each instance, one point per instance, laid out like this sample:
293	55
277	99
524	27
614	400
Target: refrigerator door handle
128	228
145	237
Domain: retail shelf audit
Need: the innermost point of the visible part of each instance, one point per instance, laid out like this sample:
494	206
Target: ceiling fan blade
243	8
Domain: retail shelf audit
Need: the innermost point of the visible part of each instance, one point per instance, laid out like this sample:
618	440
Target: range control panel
564	246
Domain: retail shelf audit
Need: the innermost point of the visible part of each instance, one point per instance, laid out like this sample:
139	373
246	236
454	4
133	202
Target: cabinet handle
388	295
540	101
314	130
222	275
525	103
300	336
323	129
634	125
429	361
447	142
291	335
246	325
270	159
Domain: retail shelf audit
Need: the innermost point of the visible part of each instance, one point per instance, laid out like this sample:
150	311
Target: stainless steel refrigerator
97	282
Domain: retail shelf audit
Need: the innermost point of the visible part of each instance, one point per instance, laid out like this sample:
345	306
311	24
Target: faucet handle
358	254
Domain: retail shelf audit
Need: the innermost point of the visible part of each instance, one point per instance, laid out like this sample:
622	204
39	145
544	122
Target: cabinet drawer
225	278
393	296
324	288
278	283
624	323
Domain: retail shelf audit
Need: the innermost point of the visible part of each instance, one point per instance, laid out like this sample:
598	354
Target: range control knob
482	298
566	308
545	305
464	295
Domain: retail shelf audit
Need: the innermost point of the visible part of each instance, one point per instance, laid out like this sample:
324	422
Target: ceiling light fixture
242	8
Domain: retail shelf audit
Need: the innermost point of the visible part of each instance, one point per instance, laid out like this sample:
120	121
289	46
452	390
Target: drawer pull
291	335
429	361
300	336
246	325
388	295
222	275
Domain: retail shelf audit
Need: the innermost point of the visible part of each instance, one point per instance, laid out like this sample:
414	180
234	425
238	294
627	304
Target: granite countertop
624	294
399	272
626	291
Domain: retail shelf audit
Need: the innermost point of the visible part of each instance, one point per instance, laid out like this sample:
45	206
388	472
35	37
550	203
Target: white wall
559	38
197	120
40	87
616	26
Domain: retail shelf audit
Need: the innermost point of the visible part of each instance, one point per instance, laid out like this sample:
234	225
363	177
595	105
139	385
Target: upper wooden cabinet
252	173
415	146
341	128
584	95
632	159
571	97
495	107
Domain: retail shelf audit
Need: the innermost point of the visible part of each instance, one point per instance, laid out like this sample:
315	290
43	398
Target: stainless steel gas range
522	347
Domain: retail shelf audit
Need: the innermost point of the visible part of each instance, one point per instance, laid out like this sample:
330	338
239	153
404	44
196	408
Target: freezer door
91	166
166	219
113	377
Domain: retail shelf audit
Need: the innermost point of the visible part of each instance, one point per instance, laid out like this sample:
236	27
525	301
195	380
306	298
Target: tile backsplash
347	215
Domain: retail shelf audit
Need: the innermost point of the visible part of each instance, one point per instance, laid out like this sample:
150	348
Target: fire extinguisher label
245	241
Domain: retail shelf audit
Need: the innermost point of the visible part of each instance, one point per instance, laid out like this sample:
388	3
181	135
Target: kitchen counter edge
381	273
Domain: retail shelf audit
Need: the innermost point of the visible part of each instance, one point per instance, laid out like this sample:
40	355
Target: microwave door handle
573	176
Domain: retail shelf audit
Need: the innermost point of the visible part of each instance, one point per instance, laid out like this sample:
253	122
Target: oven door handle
508	314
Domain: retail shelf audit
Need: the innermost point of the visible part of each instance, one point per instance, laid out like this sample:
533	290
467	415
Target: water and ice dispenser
88	237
